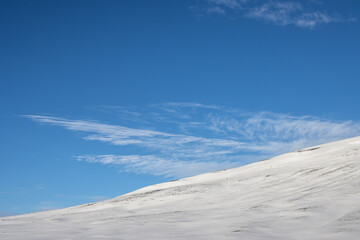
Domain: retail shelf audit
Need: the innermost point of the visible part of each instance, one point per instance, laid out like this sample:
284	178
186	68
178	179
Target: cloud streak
278	12
177	140
220	6
157	166
291	13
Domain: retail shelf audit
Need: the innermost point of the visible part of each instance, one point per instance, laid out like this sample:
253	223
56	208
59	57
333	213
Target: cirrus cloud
177	140
303	14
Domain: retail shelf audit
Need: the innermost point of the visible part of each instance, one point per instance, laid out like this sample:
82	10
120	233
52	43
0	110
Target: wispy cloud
154	165
291	13
184	139
221	6
303	14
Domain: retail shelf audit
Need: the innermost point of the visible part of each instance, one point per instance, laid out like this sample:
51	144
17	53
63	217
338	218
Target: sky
100	98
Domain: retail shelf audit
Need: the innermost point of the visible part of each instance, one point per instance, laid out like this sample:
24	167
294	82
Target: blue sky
99	98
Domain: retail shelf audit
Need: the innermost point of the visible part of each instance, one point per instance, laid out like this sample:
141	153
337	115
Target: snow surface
313	193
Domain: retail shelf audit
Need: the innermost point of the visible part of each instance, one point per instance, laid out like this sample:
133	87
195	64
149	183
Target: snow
312	194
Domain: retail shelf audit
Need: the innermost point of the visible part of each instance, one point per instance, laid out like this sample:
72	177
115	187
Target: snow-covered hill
313	193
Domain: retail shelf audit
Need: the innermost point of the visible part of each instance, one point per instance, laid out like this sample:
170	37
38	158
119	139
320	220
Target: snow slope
313	193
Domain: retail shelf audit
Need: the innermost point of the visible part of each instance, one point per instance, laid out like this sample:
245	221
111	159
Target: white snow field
313	193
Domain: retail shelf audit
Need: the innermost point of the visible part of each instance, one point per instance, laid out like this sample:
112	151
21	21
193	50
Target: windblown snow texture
312	194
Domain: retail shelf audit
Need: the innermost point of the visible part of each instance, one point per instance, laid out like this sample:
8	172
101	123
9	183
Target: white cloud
157	166
232	4
208	138
291	13
222	6
179	144
278	12
267	126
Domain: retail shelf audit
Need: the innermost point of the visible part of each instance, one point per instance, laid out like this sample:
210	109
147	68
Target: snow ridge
313	193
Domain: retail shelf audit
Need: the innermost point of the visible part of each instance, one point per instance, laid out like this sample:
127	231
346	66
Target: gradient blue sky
99	98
